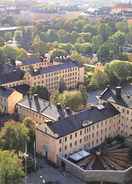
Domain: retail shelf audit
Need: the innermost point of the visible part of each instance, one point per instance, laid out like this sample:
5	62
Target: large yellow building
70	72
60	132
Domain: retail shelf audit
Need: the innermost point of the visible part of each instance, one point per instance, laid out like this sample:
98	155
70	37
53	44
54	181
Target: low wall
118	176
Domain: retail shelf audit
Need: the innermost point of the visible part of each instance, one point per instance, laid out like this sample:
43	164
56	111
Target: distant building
8	99
46	74
72	73
122	8
35	63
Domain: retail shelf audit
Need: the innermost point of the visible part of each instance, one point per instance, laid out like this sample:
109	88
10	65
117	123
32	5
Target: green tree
76	100
84	48
8	36
97	41
89	28
31	128
13	136
10	52
2	56
21	54
118	39
41	91
11	170
18	35
105	31
118	71
38	46
99	79
64	36
122	26
105	53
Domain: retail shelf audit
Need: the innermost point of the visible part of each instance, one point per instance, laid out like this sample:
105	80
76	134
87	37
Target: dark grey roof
5	92
6	68
75	122
53	68
12	76
43	107
24	89
31	61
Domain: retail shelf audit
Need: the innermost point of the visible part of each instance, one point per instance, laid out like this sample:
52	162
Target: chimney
37	102
35	97
59	107
60	111
118	91
29	100
68	111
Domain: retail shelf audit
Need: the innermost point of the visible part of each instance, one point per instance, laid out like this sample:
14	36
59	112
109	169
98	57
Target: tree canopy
76	100
13	136
11	169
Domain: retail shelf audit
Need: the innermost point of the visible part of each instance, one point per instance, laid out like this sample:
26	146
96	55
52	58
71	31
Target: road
52	174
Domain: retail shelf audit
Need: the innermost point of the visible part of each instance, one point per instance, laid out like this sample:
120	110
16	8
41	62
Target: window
75	134
65	139
70	144
60	141
81	132
70	136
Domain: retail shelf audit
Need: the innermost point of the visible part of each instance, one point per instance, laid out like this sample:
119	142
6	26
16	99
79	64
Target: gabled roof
42	107
75	122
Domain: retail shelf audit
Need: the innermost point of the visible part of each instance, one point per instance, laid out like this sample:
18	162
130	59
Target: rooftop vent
59	107
118	91
86	123
68	111
100	107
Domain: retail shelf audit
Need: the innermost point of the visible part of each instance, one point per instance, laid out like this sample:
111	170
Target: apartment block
51	75
83	130
71	72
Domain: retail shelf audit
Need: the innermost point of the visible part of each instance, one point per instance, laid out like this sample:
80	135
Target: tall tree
11	170
13	136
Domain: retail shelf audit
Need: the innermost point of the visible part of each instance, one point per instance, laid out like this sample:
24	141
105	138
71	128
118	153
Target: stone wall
119	177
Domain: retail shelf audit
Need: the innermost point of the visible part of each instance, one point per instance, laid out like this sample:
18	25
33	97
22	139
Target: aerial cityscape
66	92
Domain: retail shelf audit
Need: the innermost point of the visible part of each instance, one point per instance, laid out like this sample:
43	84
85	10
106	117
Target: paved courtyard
51	174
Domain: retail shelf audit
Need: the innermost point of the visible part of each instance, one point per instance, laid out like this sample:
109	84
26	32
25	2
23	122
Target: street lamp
43	180
25	155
